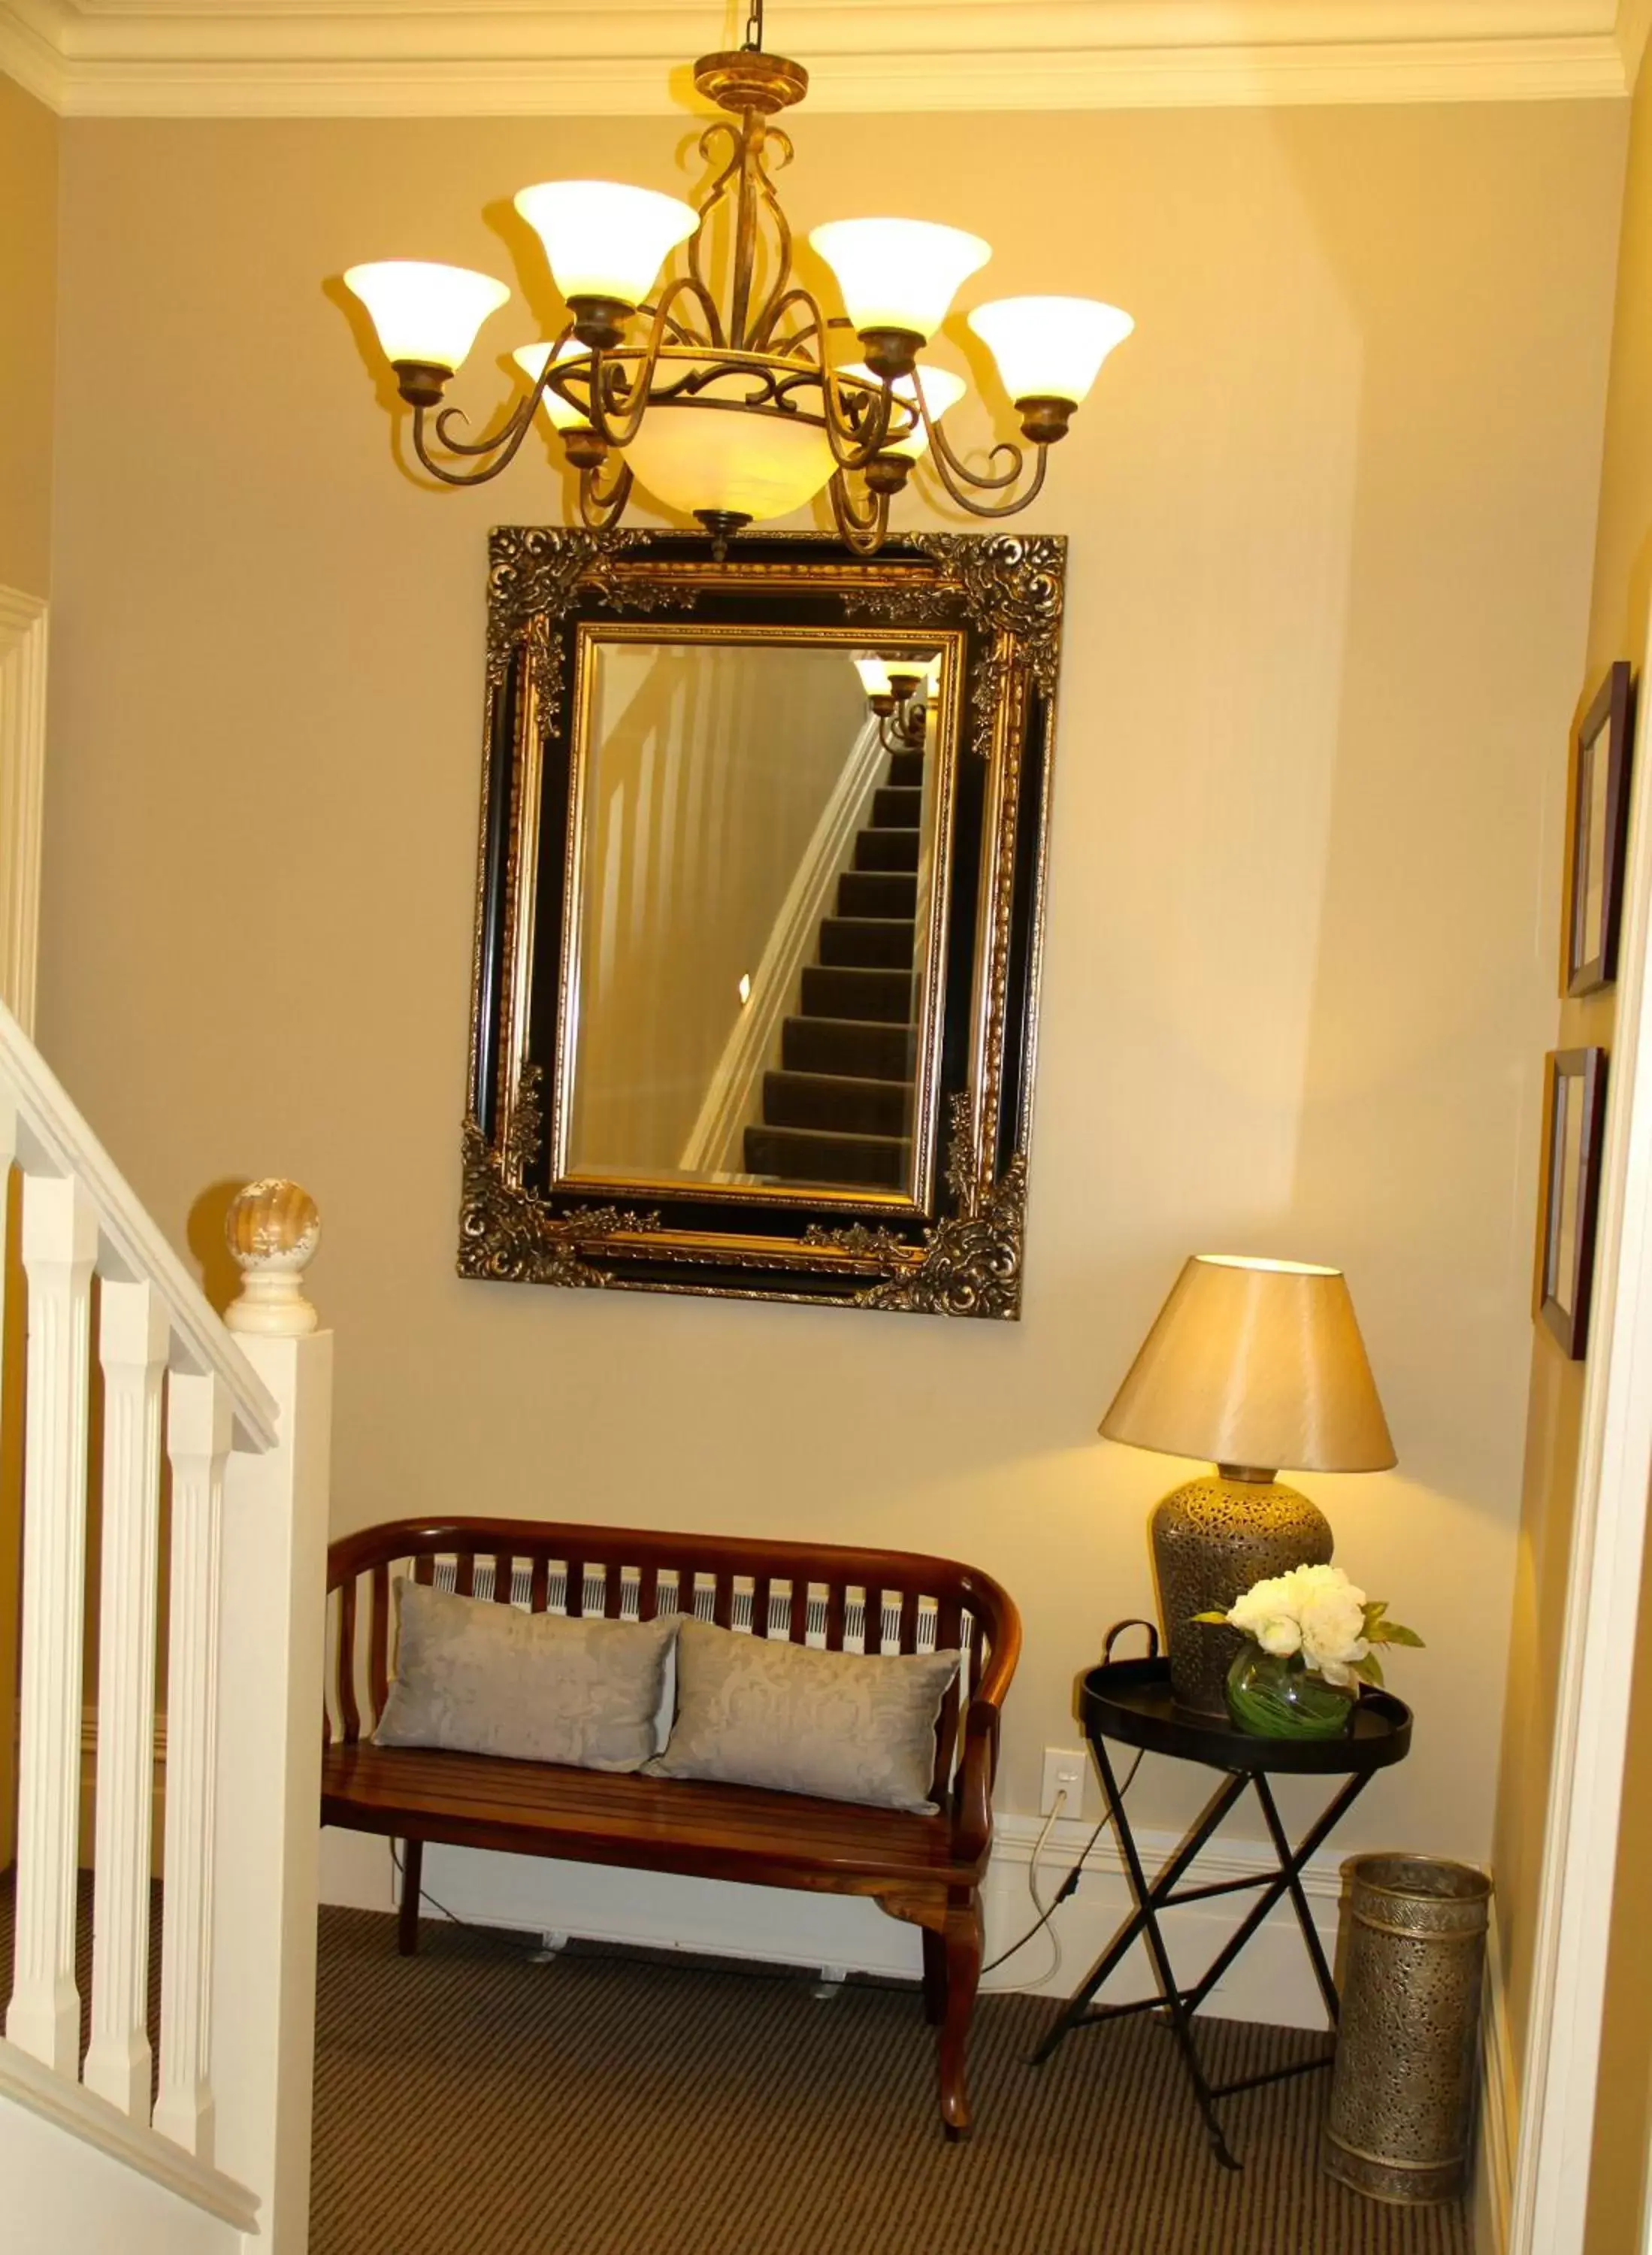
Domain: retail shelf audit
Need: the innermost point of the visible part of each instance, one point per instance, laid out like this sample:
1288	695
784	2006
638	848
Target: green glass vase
1276	1696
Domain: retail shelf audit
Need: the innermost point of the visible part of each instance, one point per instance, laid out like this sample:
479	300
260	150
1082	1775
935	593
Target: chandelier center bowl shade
695	362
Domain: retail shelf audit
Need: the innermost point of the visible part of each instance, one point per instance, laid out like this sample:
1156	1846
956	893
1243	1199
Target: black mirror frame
961	1254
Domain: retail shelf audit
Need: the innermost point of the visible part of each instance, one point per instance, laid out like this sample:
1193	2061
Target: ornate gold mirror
762	848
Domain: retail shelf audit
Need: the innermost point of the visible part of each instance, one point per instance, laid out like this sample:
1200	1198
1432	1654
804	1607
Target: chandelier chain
752	42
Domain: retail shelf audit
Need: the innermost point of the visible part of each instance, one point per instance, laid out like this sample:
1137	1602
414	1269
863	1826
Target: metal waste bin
1402	2087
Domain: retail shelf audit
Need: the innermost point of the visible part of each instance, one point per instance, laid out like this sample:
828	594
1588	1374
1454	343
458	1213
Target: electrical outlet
1064	1768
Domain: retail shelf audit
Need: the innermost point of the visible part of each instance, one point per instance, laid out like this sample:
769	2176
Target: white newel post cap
273	1229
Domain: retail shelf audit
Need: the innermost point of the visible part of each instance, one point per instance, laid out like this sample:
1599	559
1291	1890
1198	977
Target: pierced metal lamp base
1211	1540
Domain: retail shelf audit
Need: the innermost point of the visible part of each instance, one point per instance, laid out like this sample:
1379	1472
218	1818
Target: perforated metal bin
1401	2123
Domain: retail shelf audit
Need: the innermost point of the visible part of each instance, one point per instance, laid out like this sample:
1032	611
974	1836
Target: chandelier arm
952	470
959	492
716	195
851	450
779	305
509	436
637	392
506	440
862	532
761	326
677	334
599	510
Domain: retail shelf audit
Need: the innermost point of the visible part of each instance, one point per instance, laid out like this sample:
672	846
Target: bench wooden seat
925	1869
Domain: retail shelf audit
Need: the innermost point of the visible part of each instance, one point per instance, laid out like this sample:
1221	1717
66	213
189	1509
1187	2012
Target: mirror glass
756	889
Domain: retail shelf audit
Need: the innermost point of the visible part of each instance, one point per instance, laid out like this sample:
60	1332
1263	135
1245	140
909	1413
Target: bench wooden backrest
901	1600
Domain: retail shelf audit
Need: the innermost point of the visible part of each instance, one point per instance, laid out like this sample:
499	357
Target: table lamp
1253	1364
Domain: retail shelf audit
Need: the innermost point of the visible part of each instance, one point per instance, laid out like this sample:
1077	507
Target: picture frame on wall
1574	1131
1597	827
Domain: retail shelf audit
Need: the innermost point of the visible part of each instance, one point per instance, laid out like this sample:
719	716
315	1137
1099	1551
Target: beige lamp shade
1255	1363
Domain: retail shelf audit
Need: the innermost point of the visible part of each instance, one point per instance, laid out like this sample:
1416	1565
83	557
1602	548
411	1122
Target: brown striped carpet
469	2102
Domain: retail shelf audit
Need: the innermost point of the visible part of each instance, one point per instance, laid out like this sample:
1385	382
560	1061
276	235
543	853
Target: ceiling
496	58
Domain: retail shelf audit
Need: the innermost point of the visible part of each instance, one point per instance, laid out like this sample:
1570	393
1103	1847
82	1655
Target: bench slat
537	1808
762	1604
349	1713
380	1635
872	1620
948	1629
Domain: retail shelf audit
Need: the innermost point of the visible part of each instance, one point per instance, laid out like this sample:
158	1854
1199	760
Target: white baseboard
1271	1981
1493	2191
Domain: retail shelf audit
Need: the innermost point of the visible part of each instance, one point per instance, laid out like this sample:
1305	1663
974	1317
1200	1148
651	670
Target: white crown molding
570	58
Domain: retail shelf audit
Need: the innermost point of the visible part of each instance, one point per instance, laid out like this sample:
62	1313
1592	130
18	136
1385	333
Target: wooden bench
927	1869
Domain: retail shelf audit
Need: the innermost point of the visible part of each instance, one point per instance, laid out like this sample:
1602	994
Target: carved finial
273	1229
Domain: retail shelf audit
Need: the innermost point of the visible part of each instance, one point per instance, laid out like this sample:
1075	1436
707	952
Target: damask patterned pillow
479	1678
847	1726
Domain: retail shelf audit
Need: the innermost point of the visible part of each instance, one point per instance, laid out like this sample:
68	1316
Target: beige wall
28	311
1331	513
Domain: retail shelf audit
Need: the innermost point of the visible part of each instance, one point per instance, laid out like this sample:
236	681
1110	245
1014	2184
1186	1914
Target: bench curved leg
962	1945
934	1977
407	1922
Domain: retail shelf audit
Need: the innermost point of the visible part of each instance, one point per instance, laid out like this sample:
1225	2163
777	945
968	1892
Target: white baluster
60	1244
133	1333
199	1420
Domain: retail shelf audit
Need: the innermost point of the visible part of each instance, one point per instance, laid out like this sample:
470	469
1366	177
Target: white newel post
199	1420
60	1245
133	1335
270	1746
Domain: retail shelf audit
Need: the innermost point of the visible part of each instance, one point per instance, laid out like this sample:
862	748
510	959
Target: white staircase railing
240	1412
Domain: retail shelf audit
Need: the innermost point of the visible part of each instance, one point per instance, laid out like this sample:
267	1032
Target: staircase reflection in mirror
758	887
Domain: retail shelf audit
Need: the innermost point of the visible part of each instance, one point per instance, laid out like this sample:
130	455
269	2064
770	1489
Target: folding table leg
1073	2013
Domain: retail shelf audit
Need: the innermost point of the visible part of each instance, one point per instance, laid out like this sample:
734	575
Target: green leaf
1391	1632
1220	1619
1370	1668
1373	1612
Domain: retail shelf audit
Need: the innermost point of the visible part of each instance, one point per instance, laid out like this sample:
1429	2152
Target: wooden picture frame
1597	831
1574	1134
948	1239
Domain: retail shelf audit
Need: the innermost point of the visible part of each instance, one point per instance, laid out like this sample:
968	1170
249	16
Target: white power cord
1067	1886
1044	1914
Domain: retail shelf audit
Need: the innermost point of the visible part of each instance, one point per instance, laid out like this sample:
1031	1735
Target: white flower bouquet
1311	1641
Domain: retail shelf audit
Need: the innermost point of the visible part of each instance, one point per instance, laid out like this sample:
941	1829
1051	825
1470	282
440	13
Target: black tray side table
1128	1702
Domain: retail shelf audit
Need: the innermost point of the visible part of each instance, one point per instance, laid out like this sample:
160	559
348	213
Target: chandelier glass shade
733	405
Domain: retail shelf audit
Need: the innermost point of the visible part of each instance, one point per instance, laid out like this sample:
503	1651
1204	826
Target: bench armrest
973	1790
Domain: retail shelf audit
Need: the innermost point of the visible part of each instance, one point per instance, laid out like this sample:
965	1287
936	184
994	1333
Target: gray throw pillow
479	1678
847	1726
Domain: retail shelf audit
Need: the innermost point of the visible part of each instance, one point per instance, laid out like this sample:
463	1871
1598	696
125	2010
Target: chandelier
732	410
